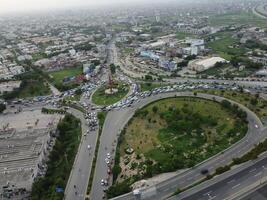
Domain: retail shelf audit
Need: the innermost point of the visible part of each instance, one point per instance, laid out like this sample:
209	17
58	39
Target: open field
226	45
58	76
160	144
246	18
100	98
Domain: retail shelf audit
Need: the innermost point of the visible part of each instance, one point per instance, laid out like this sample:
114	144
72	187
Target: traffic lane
194	173
108	141
244	83
82	167
259	194
232	184
82	172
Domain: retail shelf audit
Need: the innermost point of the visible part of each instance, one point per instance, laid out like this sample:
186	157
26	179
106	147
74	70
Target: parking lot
25	140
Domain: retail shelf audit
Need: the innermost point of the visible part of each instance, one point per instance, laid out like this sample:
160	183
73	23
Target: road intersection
116	120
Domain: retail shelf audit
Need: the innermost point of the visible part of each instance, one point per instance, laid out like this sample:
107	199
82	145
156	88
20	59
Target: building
157	44
150	54
200	65
88	68
168	65
261	73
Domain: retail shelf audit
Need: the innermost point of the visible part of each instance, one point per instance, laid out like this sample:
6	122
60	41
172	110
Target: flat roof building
204	64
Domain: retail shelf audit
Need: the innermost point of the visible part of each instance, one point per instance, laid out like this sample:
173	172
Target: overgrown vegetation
162	144
33	83
2	107
60	161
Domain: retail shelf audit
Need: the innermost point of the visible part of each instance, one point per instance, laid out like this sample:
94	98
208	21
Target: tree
155	109
116	171
148	77
78	92
113	69
2	107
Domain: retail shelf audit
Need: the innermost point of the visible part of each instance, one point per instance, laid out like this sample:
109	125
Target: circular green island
176	133
106	96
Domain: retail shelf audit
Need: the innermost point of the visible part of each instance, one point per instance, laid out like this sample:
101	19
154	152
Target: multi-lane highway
231	184
116	120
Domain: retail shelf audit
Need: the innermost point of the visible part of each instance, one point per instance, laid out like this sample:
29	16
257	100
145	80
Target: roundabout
106	94
116	121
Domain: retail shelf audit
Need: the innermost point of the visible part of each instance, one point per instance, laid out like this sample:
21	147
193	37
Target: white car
88	147
108	155
107	160
256	126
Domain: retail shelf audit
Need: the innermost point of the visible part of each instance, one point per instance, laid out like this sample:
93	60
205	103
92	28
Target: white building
200	65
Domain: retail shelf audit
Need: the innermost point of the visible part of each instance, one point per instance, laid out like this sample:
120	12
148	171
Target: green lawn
58	76
246	18
178	133
100	98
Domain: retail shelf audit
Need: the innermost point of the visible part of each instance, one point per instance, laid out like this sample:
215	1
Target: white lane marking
258	174
253	170
235	186
231	181
207	193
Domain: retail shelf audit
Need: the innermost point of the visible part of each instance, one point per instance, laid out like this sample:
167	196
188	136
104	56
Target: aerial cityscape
133	100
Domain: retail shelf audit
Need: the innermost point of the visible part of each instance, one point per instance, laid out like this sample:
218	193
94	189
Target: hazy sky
25	5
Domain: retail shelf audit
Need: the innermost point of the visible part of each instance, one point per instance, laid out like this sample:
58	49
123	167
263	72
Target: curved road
115	122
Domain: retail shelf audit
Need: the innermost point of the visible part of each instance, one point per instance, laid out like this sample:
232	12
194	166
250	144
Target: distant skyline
7	6
17	6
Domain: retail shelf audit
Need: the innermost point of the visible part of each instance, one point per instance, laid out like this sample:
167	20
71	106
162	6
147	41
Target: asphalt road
83	162
116	120
226	186
259	194
238	82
